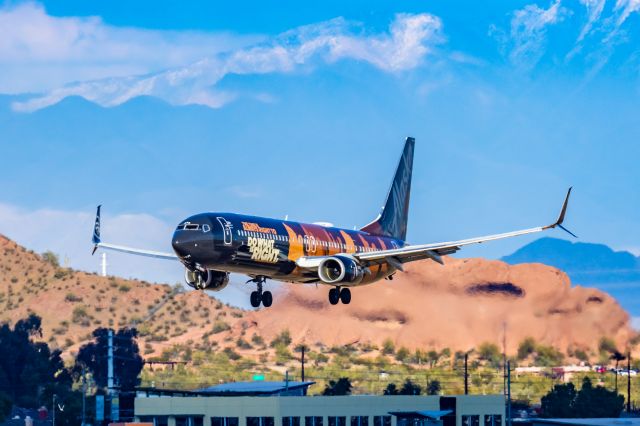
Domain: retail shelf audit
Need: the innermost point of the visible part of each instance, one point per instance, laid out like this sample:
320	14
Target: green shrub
284	338
388	348
220	326
80	316
526	348
70	297
52	258
402	354
257	339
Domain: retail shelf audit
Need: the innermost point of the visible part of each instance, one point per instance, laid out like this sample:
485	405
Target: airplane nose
179	245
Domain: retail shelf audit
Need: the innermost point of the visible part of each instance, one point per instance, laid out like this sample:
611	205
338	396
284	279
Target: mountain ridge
573	256
460	305
617	272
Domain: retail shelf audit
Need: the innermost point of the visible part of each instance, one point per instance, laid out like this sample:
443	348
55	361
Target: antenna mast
104	264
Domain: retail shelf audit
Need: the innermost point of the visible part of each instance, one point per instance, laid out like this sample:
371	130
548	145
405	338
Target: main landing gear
339	294
260	297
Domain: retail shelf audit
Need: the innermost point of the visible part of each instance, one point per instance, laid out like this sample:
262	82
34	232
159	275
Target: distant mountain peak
585	263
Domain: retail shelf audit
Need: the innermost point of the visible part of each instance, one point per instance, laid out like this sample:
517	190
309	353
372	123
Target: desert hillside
456	306
459	306
73	303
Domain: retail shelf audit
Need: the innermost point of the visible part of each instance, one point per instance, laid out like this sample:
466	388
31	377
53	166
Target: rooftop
628	421
255	387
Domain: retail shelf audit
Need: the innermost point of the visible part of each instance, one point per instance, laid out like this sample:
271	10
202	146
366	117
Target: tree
548	356
419	356
30	373
490	353
340	387
388	347
563	401
28	369
434	387
607	345
445	354
559	402
402	354
597	401
284	338
52	258
526	347
433	357
410	388
127	362
617	357
391	389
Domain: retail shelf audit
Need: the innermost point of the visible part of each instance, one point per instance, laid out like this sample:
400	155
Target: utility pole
110	369
302	362
629	382
110	363
504	356
84	393
509	393
53	416
466	373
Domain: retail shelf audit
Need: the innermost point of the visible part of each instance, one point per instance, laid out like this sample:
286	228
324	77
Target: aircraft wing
434	251
97	243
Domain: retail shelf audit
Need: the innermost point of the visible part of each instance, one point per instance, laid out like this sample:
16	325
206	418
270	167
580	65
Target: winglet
558	222
96	231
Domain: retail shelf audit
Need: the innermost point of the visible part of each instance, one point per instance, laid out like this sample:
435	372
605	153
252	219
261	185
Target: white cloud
626	8
68	233
409	40
40	52
528	32
594	11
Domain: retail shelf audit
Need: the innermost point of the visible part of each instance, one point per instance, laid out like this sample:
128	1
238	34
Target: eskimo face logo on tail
263	250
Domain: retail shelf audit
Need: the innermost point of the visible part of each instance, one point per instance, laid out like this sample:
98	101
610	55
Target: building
285	404
623	421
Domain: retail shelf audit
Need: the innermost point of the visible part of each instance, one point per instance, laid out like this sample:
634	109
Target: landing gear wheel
267	299
334	296
345	296
255	299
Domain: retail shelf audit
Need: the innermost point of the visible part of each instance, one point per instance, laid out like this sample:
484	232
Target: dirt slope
72	304
459	305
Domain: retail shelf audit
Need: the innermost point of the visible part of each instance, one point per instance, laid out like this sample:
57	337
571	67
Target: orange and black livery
212	245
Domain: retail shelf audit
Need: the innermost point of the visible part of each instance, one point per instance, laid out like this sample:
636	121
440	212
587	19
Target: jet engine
208	280
340	269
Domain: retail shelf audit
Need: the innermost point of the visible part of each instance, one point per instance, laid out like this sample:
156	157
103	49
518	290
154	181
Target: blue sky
160	109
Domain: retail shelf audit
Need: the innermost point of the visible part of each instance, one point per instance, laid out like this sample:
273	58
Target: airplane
212	245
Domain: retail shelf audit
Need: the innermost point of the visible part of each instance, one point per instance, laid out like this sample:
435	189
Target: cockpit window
188	226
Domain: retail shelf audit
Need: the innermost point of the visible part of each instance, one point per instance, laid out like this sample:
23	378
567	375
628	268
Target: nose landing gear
339	294
260	297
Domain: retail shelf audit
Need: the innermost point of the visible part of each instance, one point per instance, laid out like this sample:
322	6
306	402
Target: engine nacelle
209	280
340	269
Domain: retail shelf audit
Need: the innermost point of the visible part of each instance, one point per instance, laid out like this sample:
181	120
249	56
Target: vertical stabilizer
392	221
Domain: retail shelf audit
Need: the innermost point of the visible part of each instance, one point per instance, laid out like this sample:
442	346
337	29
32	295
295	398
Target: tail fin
95	239
392	221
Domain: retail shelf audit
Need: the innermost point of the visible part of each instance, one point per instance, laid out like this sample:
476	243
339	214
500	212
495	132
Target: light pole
84	393
53	416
